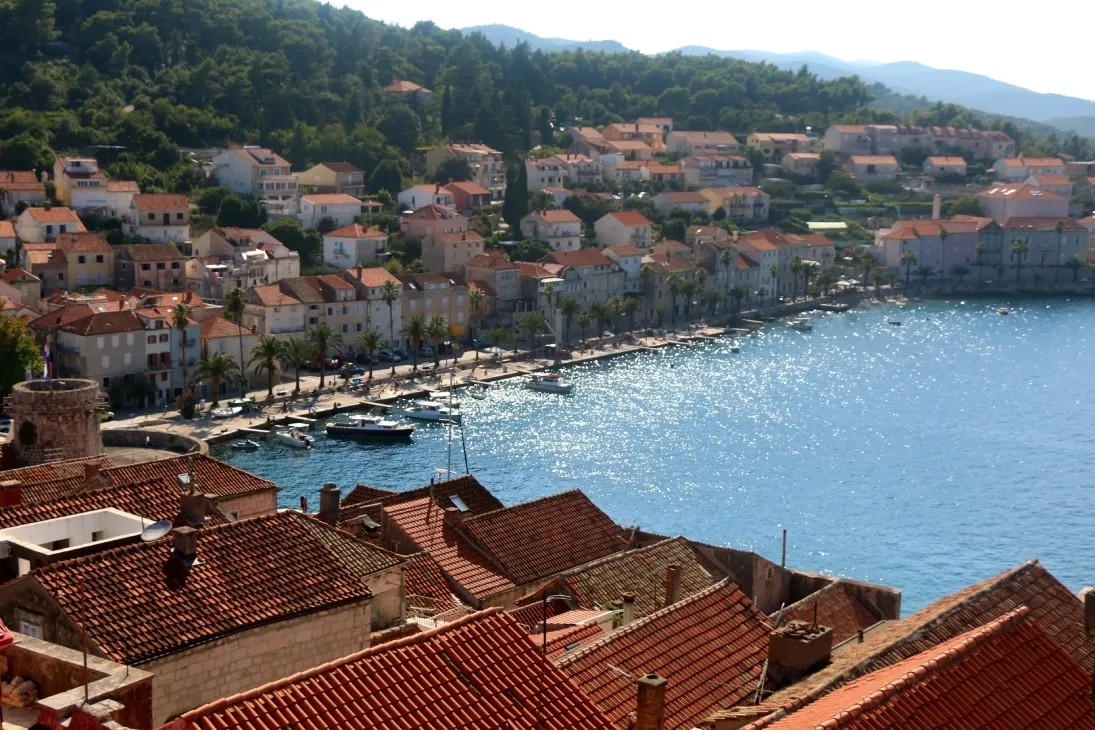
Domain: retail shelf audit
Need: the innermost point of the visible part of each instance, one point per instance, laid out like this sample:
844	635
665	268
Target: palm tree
701	281
943	236
180	320
1075	264
960	272
436	330
981	248
924	272
234	304
476	297
646	276
660	312
737	294
866	263
325	340
807	272
773	274
631	306
216	369
534	323
294	353
415	330
713	297
602	314
1019	248
264	357
616	307
369	342
726	258
498	337
549	299
796	269
389	294
688	291
908	260
585	318
569	308
1059	226
675	283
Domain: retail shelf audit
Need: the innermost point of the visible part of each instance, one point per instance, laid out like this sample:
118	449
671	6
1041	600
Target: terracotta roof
83	243
781	137
271	295
836	607
745	263
627	145
640	572
710	647
850	128
355	230
19	274
556	216
465	564
1005	674
331	199
122	186
154	499
424	580
210	476
579	258
41	474
631	218
1033	161
874	160
1016	223
534	270
433	212
153	252
457	237
747	191
53	215
624	250
665	170
1051	179
567	640
366	494
252	156
473	494
222	327
340	167
945	161
978	222
480	672
473	148
104	323
687	197
21	180
495	260
533	613
143	603
160	201
62	317
723	138
7	230
334	281
1018	191
372	276
404	87
468	188
542	537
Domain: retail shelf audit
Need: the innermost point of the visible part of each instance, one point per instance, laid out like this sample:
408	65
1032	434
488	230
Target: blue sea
925	456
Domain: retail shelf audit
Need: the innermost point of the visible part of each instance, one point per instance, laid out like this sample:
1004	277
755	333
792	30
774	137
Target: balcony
159	365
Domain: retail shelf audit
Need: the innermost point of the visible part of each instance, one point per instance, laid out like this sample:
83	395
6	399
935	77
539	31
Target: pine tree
446	113
547	134
515	202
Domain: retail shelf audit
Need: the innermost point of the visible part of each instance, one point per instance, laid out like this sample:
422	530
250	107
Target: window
163	377
99	258
31	628
174	264
129	338
221	347
152	339
178	216
359	326
359	309
82	259
330	311
106	362
100	342
345	309
147	283
345	328
60	277
106	382
151	216
146	267
127	359
160	266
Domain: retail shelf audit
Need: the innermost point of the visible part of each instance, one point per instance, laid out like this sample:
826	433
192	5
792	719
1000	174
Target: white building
560	229
159	218
624	228
259	173
119	197
37	225
419	196
354	245
340	208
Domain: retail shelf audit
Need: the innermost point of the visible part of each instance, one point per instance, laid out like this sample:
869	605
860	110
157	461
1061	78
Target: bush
185	404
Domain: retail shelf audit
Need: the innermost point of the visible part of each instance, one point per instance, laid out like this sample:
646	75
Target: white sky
973	35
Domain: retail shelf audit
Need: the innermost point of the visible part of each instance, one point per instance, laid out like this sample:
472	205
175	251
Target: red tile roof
711	648
53	215
1040	224
331	199
631	218
153	252
533	270
122	186
141	603
945	161
160	201
83	243
43	474
271	295
1005	674
836	607
104	323
373	277
1018	191
874	160
210	476
355	230
580	258
404	87
567	640
542	537
21	180
624	250
685	197
7	230
495	260
468	188
479	672
556	216
221	327
19	274
366	494
424	524
424	580
471	492
434	212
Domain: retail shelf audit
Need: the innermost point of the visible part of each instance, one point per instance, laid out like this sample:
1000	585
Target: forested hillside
305	78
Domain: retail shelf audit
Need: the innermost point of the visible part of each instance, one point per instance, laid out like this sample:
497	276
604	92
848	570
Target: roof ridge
639	623
618	556
513	507
973	640
813	596
241	697
344	534
991	584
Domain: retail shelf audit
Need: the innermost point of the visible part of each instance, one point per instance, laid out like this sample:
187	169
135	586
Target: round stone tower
55	419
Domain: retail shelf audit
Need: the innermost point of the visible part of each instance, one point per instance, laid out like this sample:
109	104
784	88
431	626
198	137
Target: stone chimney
11	493
92	478
1087	596
453	517
329	498
796	649
672	584
304	504
629	610
650	709
186	542
193	508
937	207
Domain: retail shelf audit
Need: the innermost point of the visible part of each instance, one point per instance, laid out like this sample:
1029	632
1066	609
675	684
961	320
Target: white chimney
937	207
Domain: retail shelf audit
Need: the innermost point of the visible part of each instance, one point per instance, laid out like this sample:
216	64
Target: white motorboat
1003	310
549	383
735	348
428	410
245	445
229	412
802	324
369	428
294	437
442	396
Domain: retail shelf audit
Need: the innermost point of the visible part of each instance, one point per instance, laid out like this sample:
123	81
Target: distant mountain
508	36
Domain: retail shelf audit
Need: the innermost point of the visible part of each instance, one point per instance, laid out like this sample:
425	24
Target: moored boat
802	324
549	383
245	445
428	410
290	436
1003	310
369	428
229	412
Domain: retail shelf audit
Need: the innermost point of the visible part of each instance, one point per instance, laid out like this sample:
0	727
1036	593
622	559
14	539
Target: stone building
55	419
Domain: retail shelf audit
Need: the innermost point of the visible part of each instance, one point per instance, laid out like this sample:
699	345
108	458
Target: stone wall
65	416
249	659
388	598
149	438
255	504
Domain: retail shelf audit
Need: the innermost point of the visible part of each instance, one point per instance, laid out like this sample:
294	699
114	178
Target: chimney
672	584
796	649
11	493
304	504
453	517
629	610
186	542
329	498
193	508
1087	595
937	206
650	710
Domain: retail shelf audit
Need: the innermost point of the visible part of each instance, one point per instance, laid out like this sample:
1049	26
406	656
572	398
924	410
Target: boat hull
360	434
557	389
430	417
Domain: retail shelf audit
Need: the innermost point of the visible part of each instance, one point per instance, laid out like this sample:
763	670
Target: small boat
428	410
735	348
290	436
245	445
549	383
229	412
443	396
895	322
1003	310
369	428
802	324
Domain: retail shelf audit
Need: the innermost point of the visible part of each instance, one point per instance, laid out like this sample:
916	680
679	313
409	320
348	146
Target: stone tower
63	418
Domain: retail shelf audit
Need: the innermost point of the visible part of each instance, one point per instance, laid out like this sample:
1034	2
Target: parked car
425	351
387	355
402	354
351	370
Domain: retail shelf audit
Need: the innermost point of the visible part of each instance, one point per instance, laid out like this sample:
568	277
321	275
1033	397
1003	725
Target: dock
837	307
753	324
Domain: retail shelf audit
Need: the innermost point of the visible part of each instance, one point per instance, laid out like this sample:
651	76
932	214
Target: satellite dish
155	531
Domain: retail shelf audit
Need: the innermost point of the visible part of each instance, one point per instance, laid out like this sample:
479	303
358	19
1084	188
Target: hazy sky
974	36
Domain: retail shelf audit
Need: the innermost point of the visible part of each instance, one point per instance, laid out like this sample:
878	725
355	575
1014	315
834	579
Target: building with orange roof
1020	200
80	184
673	175
849	139
1058	184
560	229
354	245
774	146
376	314
693	202
427	295
545	173
432	219
221	335
417	197
7	236
89	257
38	225
801	163
579	169
663	123
499	273
488	170
600	277
649	134
20	186
630	150
945	166
743	204
331	209
27	285
684	144
872	168
159	218
260	173
334	177
467	196
158	266
1017	169
451	250
716	171
402	87
624	228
